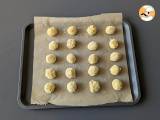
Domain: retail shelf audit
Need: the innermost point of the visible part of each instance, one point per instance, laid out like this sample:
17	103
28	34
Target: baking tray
26	69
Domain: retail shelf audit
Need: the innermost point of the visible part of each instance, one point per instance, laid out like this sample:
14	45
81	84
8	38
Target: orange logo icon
147	13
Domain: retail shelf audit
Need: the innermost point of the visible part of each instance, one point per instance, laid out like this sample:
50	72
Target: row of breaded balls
72	30
70	73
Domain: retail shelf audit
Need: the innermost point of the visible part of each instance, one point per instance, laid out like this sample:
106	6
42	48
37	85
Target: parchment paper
82	97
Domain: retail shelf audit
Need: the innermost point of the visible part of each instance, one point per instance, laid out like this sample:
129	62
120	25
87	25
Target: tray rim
32	106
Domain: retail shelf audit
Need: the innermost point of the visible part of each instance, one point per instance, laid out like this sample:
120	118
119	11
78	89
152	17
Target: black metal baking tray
26	66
